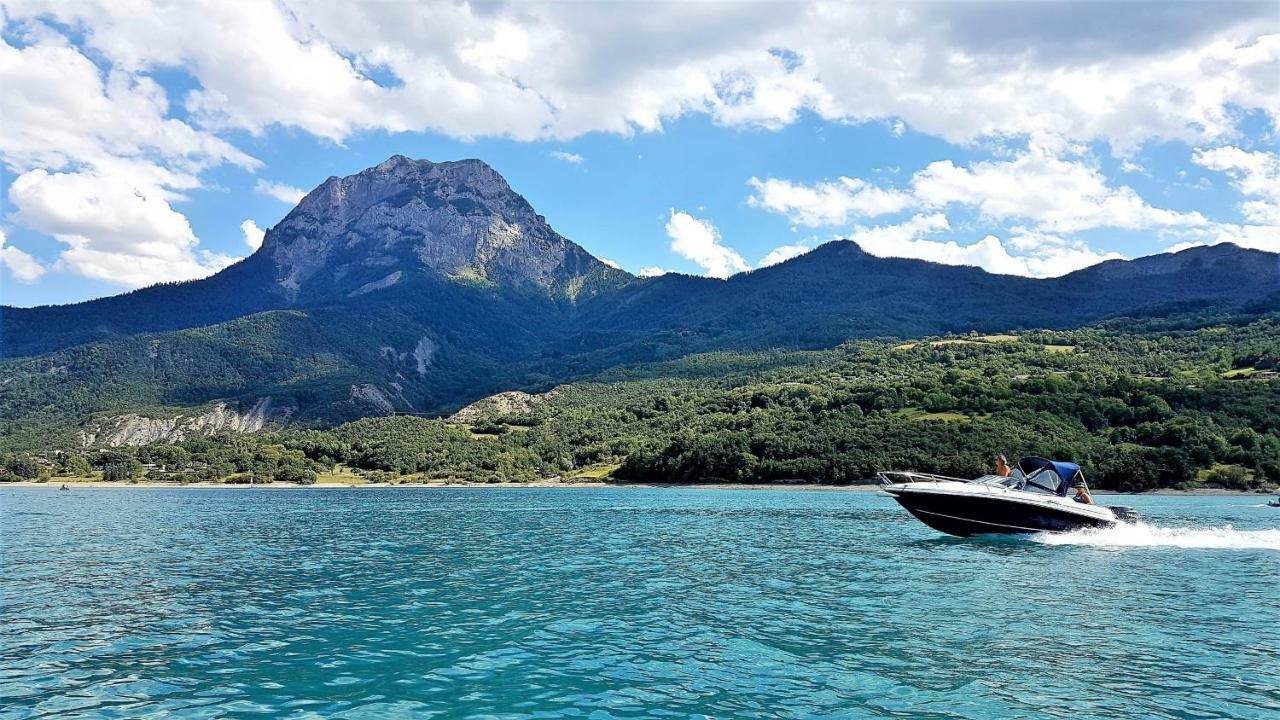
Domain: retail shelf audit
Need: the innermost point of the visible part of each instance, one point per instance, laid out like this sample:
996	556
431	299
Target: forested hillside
1139	404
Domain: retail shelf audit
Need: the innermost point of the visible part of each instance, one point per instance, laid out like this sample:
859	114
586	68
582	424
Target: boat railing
895	477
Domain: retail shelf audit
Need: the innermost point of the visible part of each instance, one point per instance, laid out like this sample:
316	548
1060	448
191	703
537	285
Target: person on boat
1002	467
1082	494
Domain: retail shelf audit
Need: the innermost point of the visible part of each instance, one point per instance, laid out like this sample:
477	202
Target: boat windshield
1014	481
1044	480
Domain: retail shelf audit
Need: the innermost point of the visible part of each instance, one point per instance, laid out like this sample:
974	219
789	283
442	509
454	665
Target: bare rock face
133	429
372	397
513	402
458	220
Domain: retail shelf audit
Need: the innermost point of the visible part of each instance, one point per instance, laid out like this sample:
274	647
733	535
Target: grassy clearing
940	417
998	338
939	343
341	475
1060	348
95	476
921	415
600	471
1239	373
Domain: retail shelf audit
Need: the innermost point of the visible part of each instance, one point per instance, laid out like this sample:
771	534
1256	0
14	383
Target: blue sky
706	139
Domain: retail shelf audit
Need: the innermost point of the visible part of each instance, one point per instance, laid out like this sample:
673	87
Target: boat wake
1144	535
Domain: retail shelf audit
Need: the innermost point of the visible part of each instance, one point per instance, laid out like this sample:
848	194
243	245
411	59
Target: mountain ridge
332	314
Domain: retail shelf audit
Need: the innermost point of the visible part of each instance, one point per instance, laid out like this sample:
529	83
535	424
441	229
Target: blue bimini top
1067	473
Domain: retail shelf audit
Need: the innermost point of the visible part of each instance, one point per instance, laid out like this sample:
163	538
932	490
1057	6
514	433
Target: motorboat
1033	498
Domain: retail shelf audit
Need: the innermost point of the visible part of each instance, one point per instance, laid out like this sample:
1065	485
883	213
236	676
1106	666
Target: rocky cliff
135	429
460	219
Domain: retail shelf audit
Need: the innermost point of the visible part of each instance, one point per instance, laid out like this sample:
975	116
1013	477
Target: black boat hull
965	516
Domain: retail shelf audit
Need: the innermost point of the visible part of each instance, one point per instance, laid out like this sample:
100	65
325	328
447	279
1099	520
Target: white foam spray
1144	535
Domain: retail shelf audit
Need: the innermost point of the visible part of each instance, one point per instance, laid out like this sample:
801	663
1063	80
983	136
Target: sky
145	142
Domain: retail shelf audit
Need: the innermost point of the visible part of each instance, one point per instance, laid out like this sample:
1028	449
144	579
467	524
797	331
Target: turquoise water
602	603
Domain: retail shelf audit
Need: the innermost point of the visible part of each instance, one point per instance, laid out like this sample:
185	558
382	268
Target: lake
604	603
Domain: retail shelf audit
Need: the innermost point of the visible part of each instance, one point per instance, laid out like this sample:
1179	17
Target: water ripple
619	604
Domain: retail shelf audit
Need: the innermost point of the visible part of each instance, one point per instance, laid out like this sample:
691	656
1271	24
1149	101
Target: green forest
1141	405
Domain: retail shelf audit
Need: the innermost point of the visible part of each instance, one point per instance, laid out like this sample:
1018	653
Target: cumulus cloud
968	73
556	70
252	234
61	110
782	253
20	264
1045	183
99	162
1040	196
826	203
699	242
919	237
1048	183
280	191
610	263
652	271
118	232
1256	176
568	157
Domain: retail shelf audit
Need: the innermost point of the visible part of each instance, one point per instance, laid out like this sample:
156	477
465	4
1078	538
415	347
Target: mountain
397	223
458	220
418	287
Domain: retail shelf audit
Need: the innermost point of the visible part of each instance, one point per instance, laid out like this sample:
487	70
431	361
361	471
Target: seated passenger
1082	494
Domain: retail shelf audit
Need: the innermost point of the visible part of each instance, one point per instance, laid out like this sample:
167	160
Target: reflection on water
621	603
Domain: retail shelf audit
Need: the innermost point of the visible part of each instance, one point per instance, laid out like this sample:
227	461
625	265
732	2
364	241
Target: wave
1144	535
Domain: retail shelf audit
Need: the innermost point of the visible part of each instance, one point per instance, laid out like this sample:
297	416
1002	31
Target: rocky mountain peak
459	219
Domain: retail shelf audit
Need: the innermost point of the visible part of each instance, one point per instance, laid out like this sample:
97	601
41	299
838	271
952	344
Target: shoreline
811	487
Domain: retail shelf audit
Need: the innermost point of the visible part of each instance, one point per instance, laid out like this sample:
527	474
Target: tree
75	465
117	472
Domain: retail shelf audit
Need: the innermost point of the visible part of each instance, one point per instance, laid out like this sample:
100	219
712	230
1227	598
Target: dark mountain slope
839	291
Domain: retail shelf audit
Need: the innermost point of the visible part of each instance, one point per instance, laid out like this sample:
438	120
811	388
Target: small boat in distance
1274	503
1032	499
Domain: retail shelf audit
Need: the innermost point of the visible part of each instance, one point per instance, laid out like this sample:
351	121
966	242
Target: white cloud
1256	175
555	70
115	231
571	158
652	271
782	253
62	110
99	162
1258	237
252	234
699	241
284	193
20	264
1045	256
1043	183
610	263
965	72
1133	167
825	203
1179	247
